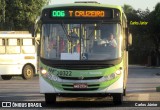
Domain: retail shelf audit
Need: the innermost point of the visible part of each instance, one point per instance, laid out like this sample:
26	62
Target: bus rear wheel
6	77
27	72
118	98
50	98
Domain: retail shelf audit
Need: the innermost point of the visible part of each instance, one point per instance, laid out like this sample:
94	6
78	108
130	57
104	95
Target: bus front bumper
116	87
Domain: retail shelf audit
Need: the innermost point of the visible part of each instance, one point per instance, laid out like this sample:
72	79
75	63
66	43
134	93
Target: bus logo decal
51	70
81	78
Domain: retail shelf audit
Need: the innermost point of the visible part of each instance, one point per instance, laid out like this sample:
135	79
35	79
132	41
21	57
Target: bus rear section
17	56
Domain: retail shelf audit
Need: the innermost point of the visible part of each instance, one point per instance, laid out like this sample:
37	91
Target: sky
136	4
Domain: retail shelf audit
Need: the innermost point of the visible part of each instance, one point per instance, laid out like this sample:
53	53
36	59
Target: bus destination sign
81	13
75	13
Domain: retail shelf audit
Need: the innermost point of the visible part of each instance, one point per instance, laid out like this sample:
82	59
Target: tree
21	14
2	12
127	9
142	44
154	31
146	38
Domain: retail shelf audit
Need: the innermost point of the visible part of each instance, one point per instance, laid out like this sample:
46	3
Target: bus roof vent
86	2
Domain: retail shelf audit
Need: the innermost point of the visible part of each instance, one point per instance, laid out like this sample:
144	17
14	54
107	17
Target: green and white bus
83	51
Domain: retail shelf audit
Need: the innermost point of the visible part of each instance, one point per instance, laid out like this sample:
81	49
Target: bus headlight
49	76
111	76
44	71
107	78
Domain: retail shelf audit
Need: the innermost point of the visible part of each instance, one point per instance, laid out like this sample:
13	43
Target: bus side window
2	46
28	42
12	42
12	46
27	46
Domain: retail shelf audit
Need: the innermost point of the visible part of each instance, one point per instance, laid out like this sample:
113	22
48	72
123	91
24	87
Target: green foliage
138	32
146	38
2	11
127	9
154	31
157	12
20	14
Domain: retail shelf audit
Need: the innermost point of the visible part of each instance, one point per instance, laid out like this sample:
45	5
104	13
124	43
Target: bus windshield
93	41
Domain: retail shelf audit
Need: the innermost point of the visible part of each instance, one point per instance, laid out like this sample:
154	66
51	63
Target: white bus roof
14	32
15	35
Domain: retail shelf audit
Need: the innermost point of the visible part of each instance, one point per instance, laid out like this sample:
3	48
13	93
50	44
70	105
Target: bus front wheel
28	72
6	77
50	98
118	98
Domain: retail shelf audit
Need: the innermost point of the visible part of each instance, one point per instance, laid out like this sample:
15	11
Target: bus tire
50	98
27	72
6	77
118	98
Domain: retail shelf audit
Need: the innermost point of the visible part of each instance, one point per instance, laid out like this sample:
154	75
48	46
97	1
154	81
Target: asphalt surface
141	86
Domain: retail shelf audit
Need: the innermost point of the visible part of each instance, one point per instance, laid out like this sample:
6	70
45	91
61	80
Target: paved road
141	86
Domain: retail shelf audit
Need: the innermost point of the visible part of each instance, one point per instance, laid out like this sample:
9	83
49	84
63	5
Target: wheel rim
28	72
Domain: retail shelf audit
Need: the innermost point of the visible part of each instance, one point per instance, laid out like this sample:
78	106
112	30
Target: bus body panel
10	69
49	85
116	87
13	64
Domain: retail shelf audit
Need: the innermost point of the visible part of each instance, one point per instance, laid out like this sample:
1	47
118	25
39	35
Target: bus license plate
80	85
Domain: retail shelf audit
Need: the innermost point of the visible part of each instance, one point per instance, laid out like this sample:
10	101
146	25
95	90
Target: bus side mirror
33	31
35	27
130	39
